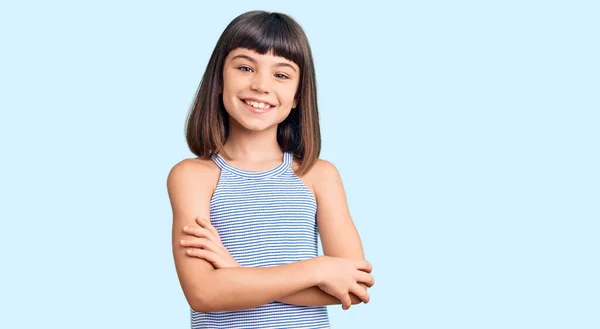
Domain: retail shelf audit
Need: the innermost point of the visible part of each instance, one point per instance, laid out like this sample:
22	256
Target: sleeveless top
264	218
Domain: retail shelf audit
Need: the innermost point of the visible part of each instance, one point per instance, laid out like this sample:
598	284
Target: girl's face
259	90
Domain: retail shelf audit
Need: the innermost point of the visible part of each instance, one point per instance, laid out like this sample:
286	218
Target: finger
361	293
365	278
200	232
203	243
196	231
214	258
205	223
346	301
208	225
363	265
201	253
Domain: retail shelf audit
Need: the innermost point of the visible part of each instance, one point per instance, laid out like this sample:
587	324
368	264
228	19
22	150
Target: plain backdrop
466	133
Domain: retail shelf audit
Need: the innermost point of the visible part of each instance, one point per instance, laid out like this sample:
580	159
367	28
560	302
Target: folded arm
339	237
190	186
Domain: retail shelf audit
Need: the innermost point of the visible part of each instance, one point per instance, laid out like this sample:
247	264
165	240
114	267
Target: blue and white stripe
265	218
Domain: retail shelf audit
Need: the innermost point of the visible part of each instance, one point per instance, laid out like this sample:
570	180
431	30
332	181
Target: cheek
229	95
232	80
230	91
288	96
229	85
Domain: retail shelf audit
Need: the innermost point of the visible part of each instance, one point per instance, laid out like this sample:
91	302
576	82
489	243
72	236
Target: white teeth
257	105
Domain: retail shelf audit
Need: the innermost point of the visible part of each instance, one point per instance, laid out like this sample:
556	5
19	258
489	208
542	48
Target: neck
252	145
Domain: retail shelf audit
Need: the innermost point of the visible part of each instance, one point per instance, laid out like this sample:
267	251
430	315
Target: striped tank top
264	218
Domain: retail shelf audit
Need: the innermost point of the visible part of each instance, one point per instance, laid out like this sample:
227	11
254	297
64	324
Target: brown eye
281	76
244	68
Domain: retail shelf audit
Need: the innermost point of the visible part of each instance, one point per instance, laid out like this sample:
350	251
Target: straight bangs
265	33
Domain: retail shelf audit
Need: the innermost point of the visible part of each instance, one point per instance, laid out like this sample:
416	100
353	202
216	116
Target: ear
295	103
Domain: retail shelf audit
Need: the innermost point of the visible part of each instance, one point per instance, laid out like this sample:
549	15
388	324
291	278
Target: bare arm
339	236
190	186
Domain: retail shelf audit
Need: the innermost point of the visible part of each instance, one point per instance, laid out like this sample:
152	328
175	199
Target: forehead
267	58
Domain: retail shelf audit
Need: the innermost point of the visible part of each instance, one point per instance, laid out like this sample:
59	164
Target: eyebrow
254	61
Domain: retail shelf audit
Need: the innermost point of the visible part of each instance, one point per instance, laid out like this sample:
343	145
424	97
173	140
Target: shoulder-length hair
207	125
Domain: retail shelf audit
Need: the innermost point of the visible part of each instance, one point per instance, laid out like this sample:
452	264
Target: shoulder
322	173
192	170
329	190
324	170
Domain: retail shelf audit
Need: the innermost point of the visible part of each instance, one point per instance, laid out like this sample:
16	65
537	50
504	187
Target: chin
257	125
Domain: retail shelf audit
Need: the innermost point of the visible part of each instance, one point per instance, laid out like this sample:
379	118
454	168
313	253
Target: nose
259	83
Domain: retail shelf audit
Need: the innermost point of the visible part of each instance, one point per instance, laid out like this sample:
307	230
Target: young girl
247	210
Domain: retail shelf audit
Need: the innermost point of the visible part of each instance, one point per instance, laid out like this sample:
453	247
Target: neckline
281	168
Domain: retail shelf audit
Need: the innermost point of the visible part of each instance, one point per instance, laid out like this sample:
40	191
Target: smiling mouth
257	107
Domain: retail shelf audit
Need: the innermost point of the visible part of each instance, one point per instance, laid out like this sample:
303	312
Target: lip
257	100
255	110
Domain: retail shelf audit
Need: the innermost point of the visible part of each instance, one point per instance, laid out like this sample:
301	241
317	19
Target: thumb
346	302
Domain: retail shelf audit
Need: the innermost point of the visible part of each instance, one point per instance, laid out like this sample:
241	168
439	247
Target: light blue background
466	132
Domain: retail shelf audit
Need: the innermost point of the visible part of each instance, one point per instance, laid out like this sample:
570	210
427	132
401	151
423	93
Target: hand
204	242
341	277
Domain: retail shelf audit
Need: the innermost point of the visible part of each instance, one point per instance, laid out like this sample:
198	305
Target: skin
339	277
249	74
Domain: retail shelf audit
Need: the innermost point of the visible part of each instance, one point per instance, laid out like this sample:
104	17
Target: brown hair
207	125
